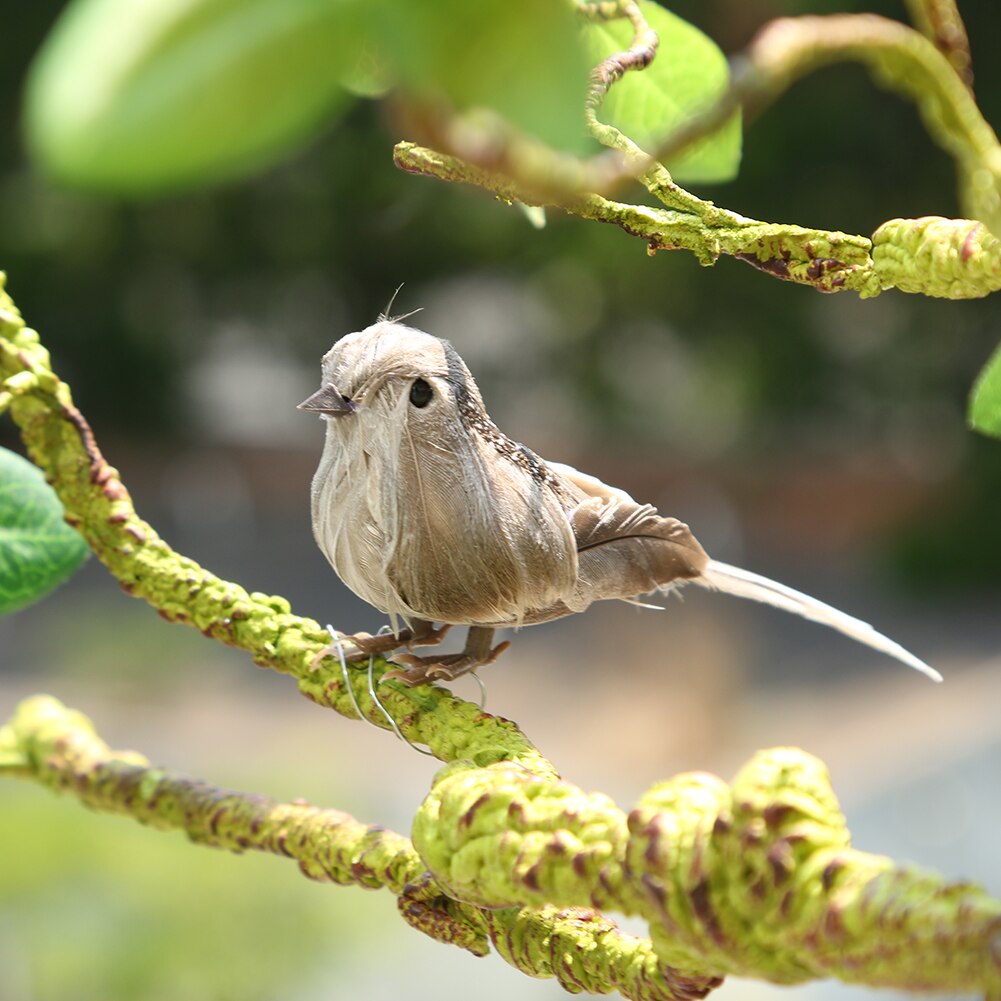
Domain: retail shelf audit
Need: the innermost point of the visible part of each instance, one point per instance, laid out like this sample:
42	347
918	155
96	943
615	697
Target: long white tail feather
744	584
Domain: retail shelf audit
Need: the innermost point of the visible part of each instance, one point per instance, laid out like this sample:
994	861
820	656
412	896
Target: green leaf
687	75
138	96
521	58
38	550
984	413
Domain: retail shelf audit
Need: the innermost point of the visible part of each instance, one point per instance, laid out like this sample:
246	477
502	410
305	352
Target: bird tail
733	580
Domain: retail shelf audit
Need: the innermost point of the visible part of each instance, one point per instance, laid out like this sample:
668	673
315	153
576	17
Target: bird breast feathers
480	539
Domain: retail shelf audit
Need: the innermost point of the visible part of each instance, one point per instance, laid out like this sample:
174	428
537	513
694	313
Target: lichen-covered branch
900	59
582	949
949	258
828	261
930	255
59	748
758	878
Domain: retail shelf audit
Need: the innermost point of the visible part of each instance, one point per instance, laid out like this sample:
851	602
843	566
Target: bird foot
360	646
422	670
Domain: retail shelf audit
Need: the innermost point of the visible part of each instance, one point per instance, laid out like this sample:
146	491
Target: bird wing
588	485
625	548
612	529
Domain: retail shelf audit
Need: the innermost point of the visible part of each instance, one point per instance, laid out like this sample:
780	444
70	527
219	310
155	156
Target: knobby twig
638	56
758	878
583	950
950	258
954	259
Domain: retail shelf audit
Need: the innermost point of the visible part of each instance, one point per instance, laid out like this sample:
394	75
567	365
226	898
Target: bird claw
361	646
355	648
428	637
423	670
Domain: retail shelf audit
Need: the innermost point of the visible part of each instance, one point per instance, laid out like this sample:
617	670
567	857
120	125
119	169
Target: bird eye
421	393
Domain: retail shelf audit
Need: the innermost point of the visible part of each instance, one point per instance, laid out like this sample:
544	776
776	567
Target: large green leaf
38	550
142	96
687	75
985	400
137	96
522	58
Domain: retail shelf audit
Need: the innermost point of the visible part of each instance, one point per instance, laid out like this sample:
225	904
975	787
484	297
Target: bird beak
328	400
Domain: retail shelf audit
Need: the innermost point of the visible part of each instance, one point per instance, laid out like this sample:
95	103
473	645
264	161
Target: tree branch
827	261
59	748
758	878
956	259
948	258
940	21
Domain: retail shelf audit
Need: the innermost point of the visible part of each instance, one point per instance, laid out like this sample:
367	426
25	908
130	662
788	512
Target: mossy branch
947	258
758	878
59	748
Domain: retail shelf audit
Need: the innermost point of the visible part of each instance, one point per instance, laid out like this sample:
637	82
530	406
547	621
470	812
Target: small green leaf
687	75
38	550
984	413
138	96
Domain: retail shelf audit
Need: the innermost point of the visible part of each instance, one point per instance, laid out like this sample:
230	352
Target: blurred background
817	439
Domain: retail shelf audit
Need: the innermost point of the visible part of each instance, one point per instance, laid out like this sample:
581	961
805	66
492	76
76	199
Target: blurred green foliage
516	56
95	910
985	400
128	295
143	98
140	97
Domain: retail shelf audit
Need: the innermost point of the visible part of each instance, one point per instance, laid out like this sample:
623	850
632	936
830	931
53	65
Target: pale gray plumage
430	513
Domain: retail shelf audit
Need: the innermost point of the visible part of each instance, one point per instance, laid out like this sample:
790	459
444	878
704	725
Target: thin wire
385	712
339	647
483	689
